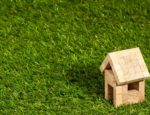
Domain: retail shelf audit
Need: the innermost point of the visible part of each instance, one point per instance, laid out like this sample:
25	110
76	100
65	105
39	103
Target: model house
124	73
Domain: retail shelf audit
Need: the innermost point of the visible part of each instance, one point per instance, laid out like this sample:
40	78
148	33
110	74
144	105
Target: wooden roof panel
127	65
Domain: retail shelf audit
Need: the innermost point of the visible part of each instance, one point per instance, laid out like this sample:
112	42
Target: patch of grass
50	52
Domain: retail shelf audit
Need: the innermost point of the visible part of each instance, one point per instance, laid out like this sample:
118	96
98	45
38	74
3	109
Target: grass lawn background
50	52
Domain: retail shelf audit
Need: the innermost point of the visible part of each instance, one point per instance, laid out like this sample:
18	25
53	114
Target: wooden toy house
124	73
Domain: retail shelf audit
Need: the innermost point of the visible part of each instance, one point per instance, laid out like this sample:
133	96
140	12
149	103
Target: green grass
50	52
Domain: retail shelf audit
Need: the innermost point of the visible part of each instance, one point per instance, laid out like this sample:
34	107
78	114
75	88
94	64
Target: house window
133	86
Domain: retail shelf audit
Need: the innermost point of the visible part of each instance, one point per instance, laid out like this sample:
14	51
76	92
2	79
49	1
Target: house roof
127	65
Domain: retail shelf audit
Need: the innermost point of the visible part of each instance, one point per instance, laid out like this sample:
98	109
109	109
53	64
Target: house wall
121	94
133	96
109	80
